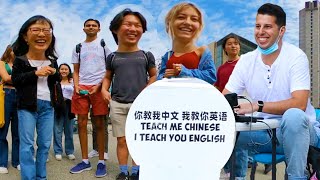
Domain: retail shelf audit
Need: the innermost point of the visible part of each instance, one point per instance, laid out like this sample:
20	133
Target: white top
43	91
67	90
289	73
92	62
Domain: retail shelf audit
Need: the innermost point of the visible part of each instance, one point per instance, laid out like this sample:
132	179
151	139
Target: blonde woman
184	24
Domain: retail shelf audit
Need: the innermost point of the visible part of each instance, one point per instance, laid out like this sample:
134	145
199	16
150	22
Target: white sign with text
180	128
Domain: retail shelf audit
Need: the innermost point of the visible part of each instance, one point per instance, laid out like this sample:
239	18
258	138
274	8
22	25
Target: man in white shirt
89	61
276	77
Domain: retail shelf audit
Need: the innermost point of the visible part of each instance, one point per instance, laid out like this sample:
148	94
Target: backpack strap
112	57
78	50
146	57
103	44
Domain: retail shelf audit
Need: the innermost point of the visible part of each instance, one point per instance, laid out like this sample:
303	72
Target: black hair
274	10
118	19
84	24
224	42
70	72
20	46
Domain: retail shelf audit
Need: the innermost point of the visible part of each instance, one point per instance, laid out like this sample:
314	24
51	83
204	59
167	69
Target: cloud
221	18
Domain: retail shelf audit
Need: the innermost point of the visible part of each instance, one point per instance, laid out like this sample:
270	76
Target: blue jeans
42	122
10	107
63	124
295	134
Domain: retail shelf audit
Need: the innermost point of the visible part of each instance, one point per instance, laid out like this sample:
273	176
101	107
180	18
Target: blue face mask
271	49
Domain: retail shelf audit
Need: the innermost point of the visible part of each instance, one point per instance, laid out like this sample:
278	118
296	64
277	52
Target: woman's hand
177	69
45	71
169	73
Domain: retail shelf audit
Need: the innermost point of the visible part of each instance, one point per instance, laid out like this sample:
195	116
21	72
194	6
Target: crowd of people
106	84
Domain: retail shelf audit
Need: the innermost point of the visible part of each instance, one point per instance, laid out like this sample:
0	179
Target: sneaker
93	153
134	176
79	168
71	157
122	176
3	170
17	167
106	156
101	170
58	157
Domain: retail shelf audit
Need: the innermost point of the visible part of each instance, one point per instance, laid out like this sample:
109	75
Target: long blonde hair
172	14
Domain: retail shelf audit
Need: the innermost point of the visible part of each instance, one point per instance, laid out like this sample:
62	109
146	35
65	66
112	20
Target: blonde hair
172	14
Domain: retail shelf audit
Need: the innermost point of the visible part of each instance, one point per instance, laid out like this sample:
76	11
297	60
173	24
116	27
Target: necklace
232	61
33	65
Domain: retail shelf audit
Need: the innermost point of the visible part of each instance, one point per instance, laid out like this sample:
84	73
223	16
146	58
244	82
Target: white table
266	124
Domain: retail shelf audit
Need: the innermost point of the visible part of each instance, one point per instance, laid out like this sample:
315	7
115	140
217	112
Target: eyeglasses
36	31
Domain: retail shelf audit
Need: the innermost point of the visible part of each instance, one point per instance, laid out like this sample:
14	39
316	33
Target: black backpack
102	43
314	161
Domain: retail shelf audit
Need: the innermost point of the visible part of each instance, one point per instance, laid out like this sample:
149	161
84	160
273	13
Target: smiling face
64	71
186	24
91	28
39	36
130	31
267	31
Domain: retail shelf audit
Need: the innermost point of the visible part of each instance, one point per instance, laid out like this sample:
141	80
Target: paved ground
59	170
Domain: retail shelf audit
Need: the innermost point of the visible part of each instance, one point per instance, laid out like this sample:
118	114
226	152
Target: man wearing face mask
276	77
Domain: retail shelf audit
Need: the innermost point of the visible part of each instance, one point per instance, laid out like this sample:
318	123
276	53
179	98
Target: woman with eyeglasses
34	74
10	114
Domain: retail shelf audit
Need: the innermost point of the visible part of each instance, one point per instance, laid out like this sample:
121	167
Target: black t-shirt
130	74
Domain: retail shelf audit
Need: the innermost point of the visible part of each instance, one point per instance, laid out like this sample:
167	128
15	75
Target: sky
221	17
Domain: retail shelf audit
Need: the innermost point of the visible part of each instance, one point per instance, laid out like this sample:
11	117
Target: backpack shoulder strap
112	57
103	44
146	57
78	50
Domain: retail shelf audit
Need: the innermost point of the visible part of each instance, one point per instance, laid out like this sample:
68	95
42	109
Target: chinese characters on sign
194	122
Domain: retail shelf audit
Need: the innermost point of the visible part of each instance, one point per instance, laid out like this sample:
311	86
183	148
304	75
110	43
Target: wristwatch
260	104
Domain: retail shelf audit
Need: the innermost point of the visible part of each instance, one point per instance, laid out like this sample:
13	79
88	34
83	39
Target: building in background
309	42
217	50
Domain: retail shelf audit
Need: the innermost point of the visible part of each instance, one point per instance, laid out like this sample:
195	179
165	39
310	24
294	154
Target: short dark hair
224	42
20	46
274	10
70	72
84	24
117	21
